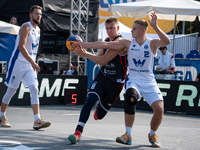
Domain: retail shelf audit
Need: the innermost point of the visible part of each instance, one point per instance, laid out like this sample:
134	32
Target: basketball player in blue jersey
140	79
107	85
22	67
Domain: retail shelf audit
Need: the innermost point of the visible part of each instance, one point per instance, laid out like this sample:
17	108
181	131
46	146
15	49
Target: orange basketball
71	40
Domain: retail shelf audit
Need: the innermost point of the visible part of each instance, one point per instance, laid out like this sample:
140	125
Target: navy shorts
106	90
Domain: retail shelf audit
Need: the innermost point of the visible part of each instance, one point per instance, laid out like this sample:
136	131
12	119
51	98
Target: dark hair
112	19
143	23
34	7
162	48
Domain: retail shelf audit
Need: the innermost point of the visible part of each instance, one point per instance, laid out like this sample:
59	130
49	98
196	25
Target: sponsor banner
179	96
187	70
52	89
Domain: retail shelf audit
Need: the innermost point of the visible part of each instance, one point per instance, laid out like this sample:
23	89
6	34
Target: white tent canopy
182	10
8	28
186	10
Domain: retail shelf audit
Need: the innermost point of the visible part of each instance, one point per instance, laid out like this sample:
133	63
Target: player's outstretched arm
101	60
115	45
24	32
164	40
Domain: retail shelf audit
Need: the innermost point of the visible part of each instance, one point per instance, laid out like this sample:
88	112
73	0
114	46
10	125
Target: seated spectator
13	20
73	70
198	77
62	72
166	61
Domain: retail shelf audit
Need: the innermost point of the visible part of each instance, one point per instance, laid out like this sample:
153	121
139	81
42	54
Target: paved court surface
177	131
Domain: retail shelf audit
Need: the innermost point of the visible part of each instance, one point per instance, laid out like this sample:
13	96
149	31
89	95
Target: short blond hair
35	7
142	23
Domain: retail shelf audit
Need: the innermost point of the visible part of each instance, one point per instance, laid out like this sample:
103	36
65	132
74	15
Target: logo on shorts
129	83
109	104
13	78
93	85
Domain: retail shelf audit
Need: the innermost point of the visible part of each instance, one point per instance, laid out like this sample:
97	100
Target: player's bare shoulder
25	29
124	42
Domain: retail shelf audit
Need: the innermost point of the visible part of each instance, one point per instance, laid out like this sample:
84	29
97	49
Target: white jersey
140	62
166	61
31	46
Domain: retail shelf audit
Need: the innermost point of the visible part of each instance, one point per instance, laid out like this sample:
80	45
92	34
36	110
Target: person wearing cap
166	60
73	70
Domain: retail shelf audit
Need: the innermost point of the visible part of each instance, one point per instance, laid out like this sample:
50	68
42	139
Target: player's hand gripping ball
71	40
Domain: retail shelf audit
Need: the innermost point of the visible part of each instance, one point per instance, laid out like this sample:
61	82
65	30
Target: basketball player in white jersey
140	82
22	67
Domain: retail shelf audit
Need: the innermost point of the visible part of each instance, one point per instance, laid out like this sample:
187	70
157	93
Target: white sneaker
4	122
41	123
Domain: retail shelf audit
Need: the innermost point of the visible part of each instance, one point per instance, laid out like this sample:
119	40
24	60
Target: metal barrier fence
183	44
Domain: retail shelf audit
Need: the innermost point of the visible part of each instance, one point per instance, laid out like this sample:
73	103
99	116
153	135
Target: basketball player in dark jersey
140	79
107	85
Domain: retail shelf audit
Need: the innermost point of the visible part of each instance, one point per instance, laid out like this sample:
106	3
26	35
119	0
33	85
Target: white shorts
20	71
148	90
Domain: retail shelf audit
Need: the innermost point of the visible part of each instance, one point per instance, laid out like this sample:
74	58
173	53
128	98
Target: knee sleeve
34	94
8	95
129	105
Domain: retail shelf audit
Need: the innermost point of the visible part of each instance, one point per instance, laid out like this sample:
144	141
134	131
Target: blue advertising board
187	69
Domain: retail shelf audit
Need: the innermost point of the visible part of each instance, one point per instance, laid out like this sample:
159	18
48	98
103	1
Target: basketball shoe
124	139
4	122
74	138
41	123
153	140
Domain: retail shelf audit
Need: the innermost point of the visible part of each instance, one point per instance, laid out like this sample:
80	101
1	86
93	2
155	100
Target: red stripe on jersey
124	64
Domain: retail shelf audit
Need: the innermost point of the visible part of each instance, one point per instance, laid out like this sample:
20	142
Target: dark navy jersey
115	69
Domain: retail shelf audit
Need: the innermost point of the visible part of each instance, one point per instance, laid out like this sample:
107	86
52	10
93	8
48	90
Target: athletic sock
2	114
128	130
36	117
152	132
80	128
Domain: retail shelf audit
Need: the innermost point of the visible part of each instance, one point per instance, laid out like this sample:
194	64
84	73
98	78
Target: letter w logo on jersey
34	46
139	63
